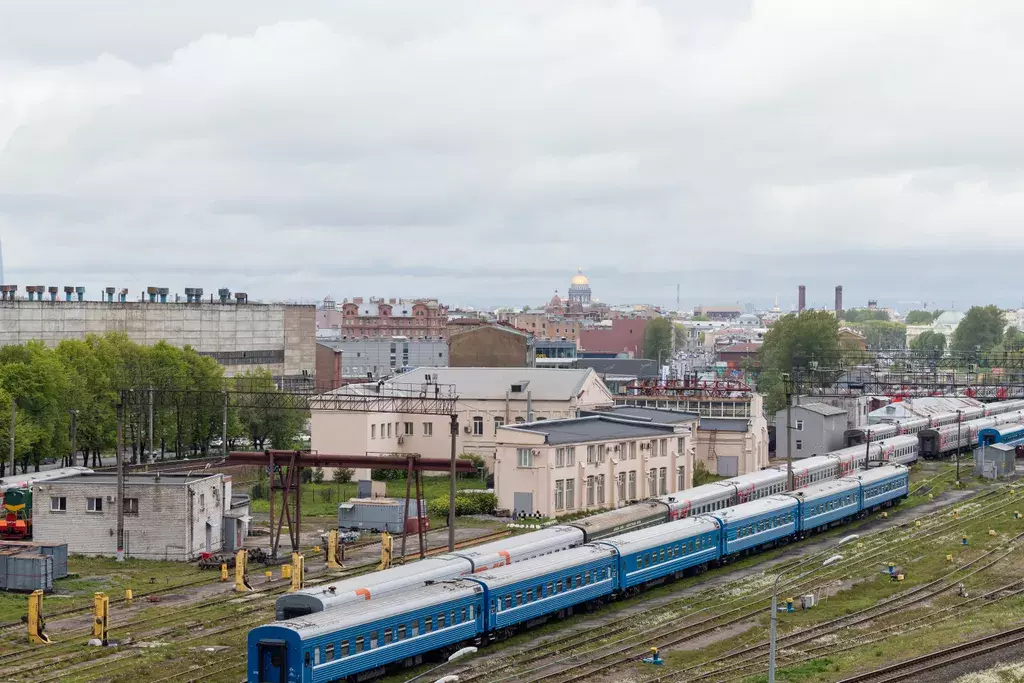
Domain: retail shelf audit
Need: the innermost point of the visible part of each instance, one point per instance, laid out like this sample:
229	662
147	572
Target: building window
799	425
679	447
620	481
202	501
652	481
600	454
591	455
389	430
373	431
632	485
408	428
559	494
600	489
663	481
664	448
58	504
94	505
525	457
499	422
478	426
680	478
590	491
520	420
131	506
570	456
570	494
559	457
799	445
428	429
632	450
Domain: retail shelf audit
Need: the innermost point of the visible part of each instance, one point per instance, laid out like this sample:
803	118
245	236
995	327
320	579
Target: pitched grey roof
592	428
822	409
545	384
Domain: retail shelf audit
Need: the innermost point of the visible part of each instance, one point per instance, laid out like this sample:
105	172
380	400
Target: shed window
58	504
94	505
131	506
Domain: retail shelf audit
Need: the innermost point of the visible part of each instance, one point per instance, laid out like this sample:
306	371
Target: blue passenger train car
670	549
532	591
1002	434
756	523
882	485
351	639
824	504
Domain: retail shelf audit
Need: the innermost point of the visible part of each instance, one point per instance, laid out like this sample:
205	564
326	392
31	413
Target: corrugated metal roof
540	566
821	409
593	428
662	533
755	507
643	414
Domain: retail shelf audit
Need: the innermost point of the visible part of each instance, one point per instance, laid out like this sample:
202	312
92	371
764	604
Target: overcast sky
481	151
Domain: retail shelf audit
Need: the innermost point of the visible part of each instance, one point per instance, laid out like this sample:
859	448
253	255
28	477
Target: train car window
401	632
414	627
360	644
662	554
698	544
344	650
440	621
519	598
471	612
307	659
428	625
387	636
452	619
373	639
558	586
508	602
551	587
578	579
529	595
316	656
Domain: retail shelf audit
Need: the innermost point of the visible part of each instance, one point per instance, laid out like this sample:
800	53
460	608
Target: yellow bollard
101	615
286	571
1016	514
860	545
298	572
36	624
316	549
917	523
269	574
949	558
128	596
991	532
885	515
223	571
241	565
333	547
899	577
931	496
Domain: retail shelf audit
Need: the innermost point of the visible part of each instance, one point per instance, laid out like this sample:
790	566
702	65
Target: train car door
273	661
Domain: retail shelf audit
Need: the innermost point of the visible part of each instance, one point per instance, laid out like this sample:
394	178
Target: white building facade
166	517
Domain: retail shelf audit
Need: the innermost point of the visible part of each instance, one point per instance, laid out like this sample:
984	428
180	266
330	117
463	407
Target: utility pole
14	415
959	422
451	489
789	433
74	435
224	429
120	478
150	456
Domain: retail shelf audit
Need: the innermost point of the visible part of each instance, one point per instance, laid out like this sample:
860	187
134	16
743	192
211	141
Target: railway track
600	659
911	668
75	658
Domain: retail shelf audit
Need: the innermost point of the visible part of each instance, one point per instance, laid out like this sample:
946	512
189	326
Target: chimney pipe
68	290
80	293
122	296
53	292
241	298
163	292
151	292
224	293
801	298
199	294
839	300
110	294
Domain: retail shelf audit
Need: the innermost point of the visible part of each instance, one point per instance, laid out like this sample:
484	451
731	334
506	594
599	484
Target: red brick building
735	355
624	335
377	318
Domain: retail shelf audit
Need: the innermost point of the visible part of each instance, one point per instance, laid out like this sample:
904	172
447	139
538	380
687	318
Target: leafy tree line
863	315
85	377
919	317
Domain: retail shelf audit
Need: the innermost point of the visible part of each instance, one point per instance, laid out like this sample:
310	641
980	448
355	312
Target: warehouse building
166	516
238	334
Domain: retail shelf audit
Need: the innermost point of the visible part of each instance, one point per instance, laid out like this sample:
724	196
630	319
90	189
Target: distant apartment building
379	318
349	359
545	326
718	312
490	345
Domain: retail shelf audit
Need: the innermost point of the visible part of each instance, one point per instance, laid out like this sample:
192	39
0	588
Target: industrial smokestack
839	300
801	302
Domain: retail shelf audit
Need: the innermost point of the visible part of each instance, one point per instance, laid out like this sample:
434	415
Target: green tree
33	375
680	335
980	330
90	395
701	318
919	317
795	340
658	339
862	315
931	343
263	425
880	334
